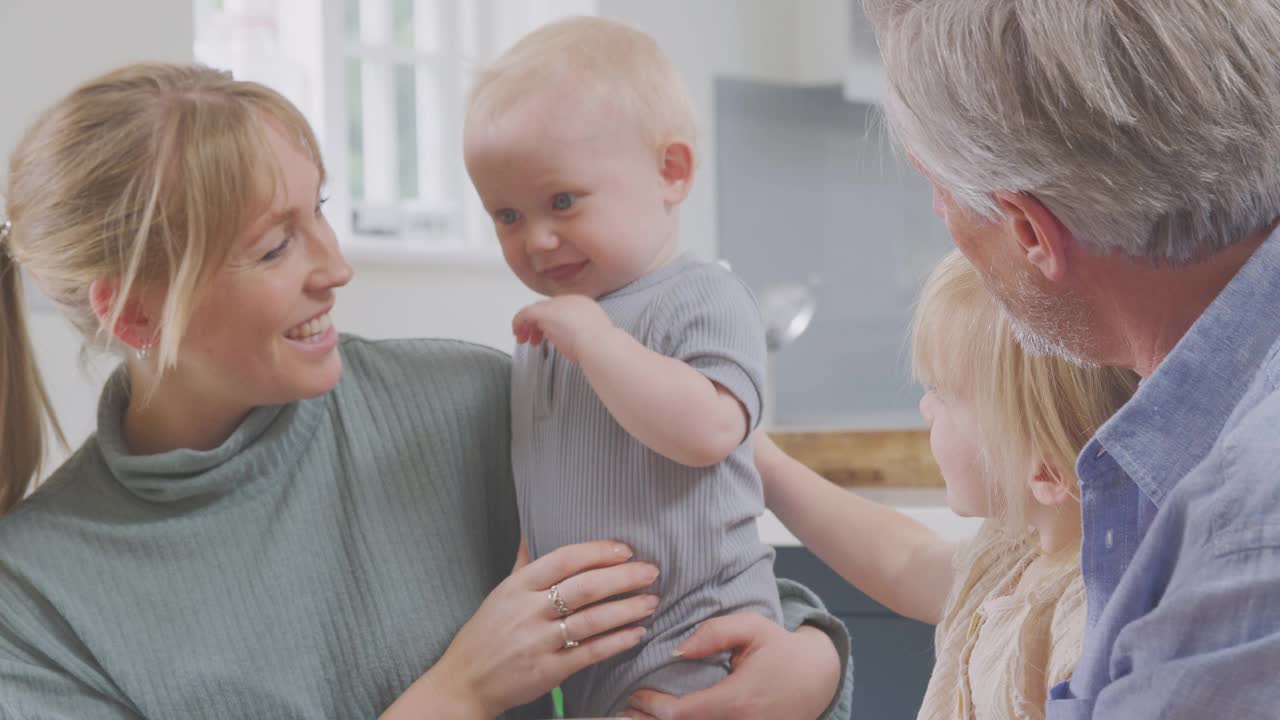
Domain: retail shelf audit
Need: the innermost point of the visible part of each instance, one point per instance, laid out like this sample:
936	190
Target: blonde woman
1005	427
272	520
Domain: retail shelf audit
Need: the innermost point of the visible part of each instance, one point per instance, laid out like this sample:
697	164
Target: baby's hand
569	322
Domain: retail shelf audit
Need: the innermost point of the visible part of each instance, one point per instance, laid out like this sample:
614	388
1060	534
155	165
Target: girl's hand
512	651
776	674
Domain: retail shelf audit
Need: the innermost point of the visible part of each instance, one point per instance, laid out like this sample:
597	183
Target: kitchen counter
864	459
928	505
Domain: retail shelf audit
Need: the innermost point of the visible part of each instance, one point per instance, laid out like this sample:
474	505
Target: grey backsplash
810	187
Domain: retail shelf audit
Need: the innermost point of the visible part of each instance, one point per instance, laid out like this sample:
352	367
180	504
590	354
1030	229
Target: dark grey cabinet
892	655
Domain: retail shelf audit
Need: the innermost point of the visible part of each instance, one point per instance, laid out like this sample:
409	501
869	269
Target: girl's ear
1048	487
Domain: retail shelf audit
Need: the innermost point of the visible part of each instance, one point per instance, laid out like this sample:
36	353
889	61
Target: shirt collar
1181	409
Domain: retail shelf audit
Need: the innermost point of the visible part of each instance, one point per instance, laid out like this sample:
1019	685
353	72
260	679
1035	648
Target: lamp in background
787	310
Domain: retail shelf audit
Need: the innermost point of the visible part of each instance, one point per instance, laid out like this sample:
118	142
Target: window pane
468	34
402	23
378	105
375	22
429	21
352	21
355	129
407	130
434	159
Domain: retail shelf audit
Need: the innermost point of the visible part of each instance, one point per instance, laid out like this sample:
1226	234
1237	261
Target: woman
273	521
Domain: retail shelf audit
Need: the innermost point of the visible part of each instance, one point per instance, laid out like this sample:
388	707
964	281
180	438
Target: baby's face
579	202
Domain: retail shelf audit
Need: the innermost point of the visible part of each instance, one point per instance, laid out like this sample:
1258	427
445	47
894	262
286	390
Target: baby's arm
661	401
889	556
672	408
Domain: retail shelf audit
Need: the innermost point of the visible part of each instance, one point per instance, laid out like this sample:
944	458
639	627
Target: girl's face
953	441
262	334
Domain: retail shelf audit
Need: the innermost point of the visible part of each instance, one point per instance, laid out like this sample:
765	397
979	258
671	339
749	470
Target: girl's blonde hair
143	177
608	65
1028	410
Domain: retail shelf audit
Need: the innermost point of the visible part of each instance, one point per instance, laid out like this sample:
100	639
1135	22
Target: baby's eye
506	216
562	201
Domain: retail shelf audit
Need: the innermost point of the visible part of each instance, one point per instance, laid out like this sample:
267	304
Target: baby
637	384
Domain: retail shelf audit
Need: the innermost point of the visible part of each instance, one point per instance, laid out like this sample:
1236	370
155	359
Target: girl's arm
894	559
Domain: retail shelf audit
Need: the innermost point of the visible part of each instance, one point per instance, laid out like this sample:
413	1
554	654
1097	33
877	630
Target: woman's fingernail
623	550
678	652
651	602
656	573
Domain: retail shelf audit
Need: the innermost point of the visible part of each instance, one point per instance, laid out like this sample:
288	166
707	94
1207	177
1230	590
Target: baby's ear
1048	486
676	165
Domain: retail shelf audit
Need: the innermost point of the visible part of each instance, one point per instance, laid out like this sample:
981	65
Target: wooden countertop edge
864	458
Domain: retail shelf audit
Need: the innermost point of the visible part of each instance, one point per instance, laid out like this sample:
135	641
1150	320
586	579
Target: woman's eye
506	216
320	205
278	250
562	201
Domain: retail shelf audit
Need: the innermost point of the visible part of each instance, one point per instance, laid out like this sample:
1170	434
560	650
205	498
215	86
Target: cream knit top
1012	629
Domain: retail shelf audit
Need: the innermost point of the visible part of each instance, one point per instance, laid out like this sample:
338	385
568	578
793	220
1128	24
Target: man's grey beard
1060	321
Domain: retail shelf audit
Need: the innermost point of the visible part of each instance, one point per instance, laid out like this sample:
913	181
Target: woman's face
262	335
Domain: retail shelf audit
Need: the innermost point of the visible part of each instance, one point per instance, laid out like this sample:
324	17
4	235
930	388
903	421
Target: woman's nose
331	268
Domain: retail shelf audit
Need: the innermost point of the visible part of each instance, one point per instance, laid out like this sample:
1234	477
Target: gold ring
564	636
557	602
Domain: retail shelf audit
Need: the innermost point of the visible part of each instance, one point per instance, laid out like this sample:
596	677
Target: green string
557	701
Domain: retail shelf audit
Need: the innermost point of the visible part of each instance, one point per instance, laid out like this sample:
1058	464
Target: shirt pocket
1069	709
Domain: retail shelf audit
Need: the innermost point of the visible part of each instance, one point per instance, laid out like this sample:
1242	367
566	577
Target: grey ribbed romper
580	476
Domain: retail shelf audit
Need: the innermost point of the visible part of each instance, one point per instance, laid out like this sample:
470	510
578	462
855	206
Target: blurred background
797	187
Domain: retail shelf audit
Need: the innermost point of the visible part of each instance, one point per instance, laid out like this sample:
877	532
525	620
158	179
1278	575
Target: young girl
1005	428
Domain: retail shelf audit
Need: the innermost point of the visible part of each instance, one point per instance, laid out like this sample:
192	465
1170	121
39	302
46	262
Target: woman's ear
676	165
134	327
1048	487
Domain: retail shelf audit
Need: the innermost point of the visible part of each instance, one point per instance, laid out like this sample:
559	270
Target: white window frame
315	37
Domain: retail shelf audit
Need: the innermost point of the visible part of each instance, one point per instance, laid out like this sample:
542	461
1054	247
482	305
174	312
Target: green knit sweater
313	566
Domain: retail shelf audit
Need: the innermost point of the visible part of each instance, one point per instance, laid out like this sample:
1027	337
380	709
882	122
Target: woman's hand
512	650
776	674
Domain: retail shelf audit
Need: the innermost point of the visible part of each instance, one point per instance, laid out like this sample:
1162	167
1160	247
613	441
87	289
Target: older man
1113	169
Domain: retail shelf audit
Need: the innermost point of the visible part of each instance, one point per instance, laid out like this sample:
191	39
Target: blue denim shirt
1181	501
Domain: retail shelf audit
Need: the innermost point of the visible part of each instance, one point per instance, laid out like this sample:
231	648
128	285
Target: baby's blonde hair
1029	410
606	65
144	176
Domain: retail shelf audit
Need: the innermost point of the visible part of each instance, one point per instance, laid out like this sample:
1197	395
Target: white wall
747	38
48	47
43	55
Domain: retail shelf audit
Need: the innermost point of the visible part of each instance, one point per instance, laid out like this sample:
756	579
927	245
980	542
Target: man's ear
1043	238
134	328
676	166
1048	487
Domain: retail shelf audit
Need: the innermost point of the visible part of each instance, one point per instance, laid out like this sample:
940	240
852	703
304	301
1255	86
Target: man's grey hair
1151	128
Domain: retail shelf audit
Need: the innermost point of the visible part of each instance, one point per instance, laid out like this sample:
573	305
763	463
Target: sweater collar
268	439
